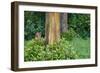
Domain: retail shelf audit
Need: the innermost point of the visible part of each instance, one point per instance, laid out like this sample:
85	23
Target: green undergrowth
38	50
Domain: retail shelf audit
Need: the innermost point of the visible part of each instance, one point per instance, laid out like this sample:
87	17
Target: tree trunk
52	27
63	22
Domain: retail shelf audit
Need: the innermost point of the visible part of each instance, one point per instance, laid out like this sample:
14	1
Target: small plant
69	35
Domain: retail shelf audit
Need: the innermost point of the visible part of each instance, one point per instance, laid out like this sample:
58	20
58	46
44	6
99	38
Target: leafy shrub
38	51
34	49
69	35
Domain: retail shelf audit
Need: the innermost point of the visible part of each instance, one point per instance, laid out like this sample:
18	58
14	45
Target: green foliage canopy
33	22
80	23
